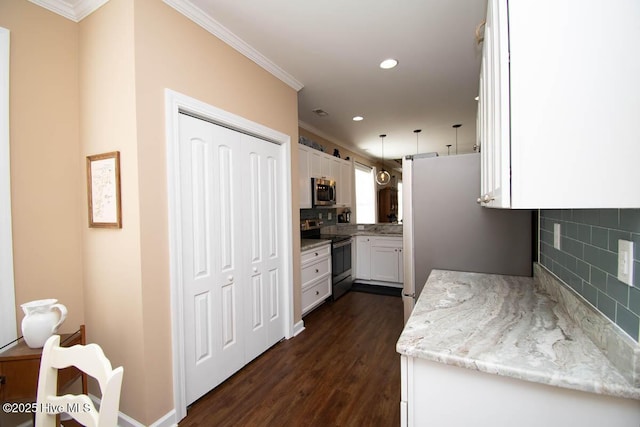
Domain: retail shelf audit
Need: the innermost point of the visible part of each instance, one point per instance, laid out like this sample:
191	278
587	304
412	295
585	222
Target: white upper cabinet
316	164
559	101
304	176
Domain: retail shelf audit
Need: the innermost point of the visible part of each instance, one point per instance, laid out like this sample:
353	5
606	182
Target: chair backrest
89	359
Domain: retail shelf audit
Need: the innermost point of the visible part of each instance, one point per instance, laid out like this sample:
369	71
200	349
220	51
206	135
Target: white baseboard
298	327
168	420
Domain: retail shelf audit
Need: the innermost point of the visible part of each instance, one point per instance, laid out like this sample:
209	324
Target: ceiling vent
320	112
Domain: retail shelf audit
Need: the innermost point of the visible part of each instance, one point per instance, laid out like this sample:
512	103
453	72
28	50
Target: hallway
342	370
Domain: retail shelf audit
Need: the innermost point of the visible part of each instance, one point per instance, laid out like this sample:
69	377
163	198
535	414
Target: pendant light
417	132
382	176
456	128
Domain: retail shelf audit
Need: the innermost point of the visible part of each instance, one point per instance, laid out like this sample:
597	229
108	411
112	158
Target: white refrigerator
445	228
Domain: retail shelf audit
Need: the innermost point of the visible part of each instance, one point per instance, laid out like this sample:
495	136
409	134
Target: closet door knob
230	278
255	269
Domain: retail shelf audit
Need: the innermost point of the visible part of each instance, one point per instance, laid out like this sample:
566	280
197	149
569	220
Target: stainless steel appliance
341	246
323	191
445	228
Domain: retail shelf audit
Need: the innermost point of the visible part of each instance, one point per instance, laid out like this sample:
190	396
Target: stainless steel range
340	256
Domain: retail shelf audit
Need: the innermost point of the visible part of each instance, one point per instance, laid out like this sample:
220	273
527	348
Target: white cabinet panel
316	277
363	257
384	264
556	115
379	259
316	164
432	392
346	184
304	176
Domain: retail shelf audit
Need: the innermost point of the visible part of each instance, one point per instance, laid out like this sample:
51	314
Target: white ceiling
332	49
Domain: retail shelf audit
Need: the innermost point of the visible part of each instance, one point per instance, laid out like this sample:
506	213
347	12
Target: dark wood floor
342	370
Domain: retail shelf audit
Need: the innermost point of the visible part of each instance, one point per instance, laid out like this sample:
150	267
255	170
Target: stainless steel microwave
323	191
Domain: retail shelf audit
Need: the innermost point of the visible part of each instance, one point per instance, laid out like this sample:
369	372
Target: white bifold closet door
232	250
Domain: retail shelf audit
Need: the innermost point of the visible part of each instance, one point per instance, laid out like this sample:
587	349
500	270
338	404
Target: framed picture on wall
103	190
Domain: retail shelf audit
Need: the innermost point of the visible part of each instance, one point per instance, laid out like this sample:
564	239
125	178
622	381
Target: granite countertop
505	325
307	244
378	233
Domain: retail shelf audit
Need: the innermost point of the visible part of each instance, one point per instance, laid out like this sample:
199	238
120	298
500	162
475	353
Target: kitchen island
482	349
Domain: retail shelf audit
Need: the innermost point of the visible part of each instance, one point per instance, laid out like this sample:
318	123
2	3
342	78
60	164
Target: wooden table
20	365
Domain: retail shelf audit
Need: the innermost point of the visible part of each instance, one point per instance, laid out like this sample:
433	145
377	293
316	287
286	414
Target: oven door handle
341	244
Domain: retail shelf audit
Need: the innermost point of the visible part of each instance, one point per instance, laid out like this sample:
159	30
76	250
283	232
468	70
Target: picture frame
103	190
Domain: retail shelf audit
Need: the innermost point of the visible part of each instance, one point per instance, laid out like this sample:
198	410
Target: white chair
89	359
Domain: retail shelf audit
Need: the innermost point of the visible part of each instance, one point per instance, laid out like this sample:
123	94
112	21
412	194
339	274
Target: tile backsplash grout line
587	259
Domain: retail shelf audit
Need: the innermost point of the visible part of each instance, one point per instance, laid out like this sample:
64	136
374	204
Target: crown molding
76	11
204	20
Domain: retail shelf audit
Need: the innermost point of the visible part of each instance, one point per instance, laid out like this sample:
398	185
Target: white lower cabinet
379	259
316	277
431	394
363	258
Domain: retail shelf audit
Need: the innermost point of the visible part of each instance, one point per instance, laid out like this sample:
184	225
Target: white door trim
8	330
174	104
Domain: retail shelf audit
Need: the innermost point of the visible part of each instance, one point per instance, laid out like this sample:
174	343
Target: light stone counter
308	244
505	325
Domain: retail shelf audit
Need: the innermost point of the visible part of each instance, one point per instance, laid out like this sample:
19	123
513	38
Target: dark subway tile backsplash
588	259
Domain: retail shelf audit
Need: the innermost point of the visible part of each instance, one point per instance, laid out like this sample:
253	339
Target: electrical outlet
320	215
625	262
361	227
329	216
556	236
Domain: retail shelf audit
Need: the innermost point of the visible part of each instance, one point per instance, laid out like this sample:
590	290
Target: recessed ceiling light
358	118
388	63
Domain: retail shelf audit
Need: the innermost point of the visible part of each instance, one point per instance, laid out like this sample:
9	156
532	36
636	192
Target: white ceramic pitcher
41	320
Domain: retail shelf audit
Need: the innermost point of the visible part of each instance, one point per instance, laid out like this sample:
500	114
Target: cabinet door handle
255	269
317	271
230	278
316	253
485	199
317	292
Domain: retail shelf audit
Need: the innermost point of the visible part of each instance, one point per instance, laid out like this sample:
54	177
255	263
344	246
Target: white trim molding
298	328
75	10
8	329
175	103
214	27
167	420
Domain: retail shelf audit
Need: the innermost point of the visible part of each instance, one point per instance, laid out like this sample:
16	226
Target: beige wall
168	51
45	167
98	86
112	271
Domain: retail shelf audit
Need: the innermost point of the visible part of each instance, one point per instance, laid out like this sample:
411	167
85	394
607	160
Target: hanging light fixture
417	132
456	126
382	176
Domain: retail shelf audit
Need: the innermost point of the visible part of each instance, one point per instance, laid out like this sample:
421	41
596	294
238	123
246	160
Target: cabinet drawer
310	255
387	242
316	270
315	294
